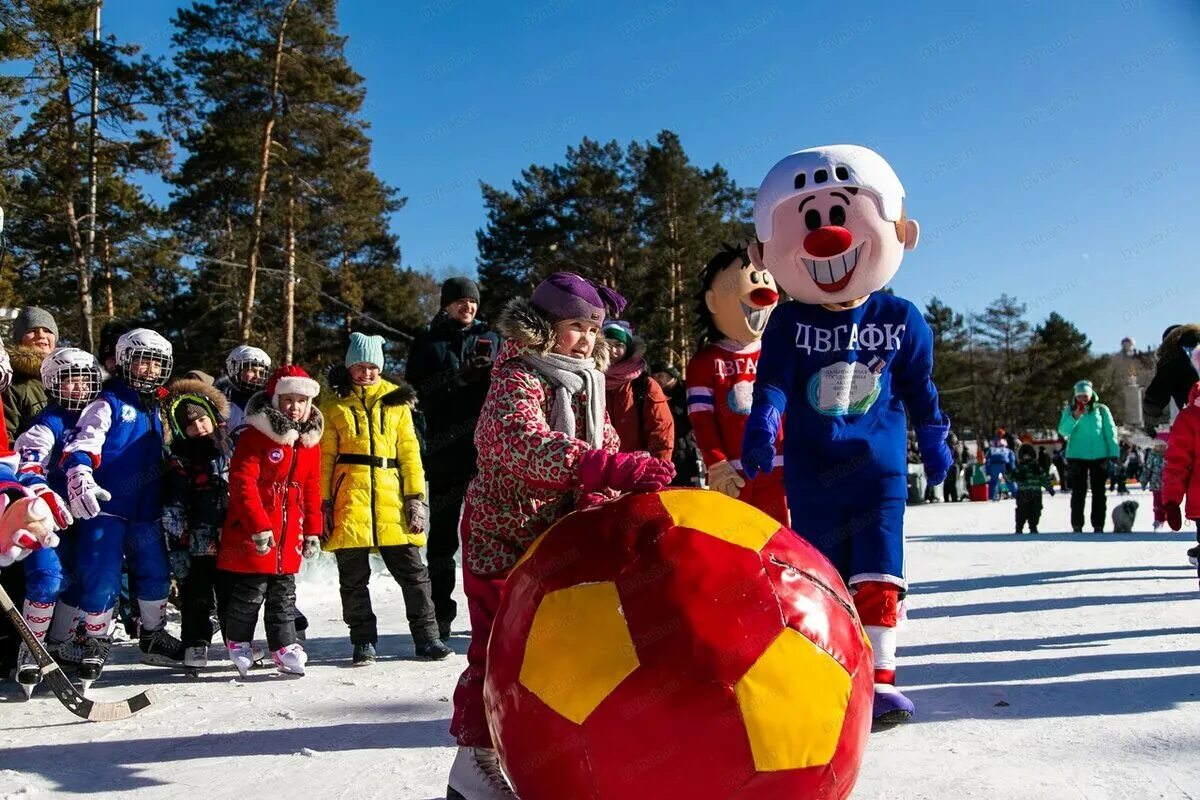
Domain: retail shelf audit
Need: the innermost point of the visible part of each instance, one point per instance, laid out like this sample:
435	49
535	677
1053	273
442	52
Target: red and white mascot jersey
720	388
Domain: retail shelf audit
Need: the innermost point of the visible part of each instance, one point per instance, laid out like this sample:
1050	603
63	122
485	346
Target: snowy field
1055	666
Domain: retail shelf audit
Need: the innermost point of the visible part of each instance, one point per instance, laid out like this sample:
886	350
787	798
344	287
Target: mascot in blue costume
845	361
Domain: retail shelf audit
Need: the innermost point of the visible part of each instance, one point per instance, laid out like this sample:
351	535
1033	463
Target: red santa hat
290	379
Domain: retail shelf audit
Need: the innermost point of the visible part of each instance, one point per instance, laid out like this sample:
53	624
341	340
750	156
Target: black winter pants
1085	474
204	589
445	506
247	594
1029	509
354	577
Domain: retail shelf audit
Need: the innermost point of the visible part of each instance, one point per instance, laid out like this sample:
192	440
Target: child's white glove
84	494
312	546
262	542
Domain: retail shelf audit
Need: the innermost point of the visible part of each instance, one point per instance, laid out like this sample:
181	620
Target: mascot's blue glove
758	441
935	453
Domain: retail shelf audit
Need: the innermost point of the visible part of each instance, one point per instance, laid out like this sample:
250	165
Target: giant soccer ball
677	646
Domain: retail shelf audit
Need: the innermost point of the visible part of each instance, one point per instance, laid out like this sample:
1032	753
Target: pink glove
623	472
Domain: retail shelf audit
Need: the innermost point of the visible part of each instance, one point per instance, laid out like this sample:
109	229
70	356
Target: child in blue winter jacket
114	464
71	378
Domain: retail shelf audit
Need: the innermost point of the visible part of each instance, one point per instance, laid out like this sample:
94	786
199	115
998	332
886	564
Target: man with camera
450	366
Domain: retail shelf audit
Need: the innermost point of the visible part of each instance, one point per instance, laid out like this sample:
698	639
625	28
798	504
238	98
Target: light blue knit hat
365	350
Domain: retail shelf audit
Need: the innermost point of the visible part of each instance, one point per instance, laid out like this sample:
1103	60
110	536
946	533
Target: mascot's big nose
764	297
828	241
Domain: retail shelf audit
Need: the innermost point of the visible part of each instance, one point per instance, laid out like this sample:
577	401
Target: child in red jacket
1181	475
274	516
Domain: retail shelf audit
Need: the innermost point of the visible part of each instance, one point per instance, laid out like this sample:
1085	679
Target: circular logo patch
275	455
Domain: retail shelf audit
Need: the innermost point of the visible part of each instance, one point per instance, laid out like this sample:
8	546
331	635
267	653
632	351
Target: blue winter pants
43	576
94	555
862	537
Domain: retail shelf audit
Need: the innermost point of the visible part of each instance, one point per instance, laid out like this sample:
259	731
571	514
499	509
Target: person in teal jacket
1091	436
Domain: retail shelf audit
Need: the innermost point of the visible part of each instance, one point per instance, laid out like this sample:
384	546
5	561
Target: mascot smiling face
831	224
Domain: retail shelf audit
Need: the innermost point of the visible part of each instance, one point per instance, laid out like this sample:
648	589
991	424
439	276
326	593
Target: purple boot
891	706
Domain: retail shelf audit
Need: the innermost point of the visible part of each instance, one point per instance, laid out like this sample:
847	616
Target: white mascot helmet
72	377
828	167
239	359
143	343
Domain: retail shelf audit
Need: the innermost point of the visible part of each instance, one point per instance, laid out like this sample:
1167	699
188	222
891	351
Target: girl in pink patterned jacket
544	443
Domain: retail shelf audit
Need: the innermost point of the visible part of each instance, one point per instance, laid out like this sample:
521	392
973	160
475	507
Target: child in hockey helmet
72	377
144	360
247	368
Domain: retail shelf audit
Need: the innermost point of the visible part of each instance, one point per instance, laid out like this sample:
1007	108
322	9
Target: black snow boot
364	654
432	651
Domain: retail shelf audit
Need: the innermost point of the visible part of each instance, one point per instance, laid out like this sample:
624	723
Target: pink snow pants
469	724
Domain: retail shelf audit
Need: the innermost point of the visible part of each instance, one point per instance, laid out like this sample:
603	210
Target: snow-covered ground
1055	666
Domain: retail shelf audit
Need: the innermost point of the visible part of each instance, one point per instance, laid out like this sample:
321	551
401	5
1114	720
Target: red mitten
623	472
1174	516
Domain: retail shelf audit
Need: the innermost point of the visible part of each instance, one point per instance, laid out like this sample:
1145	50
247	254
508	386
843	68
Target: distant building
1129	371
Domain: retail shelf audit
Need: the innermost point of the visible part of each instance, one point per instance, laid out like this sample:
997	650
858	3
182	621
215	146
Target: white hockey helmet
72	377
143	344
242	357
827	167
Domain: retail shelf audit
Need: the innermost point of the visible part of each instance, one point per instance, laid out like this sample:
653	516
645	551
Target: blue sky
1048	150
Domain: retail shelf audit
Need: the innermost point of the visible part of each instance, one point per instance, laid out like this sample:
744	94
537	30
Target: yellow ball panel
793	702
578	649
719	516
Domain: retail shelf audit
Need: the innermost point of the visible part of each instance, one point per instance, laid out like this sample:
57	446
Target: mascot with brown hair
845	361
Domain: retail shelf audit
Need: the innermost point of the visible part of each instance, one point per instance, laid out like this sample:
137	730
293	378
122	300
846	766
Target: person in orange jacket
636	403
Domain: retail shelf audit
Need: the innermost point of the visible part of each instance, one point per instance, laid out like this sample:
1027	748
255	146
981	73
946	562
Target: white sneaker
290	660
241	656
476	775
196	657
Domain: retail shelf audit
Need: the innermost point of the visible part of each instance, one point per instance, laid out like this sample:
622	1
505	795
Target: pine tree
683	214
1001	335
306	228
952	372
1059	355
45	162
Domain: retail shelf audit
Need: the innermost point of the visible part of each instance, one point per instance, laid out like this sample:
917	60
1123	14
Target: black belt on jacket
368	461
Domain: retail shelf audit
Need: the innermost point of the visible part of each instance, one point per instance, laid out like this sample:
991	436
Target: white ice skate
476	775
29	674
241	656
290	660
196	657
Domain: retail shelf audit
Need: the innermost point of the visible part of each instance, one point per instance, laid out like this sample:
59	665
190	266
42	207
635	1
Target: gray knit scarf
569	376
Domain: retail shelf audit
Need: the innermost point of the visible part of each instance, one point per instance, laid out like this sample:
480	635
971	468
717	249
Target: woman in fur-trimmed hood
544	439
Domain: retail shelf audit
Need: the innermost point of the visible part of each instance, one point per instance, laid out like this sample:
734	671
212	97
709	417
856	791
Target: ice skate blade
153	660
27	688
85	685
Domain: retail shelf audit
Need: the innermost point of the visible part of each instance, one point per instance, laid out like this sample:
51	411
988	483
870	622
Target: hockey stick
76	703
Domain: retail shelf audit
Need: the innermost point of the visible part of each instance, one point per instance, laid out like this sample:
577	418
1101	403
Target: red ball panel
699	605
595	545
814	602
520	600
543	752
665	736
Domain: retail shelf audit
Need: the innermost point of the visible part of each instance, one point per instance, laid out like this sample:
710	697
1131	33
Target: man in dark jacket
450	366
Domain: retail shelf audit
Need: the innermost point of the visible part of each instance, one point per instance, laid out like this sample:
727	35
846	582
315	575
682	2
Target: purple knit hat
565	295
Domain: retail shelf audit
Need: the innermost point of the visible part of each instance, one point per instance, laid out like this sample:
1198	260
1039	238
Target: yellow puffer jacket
370	462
